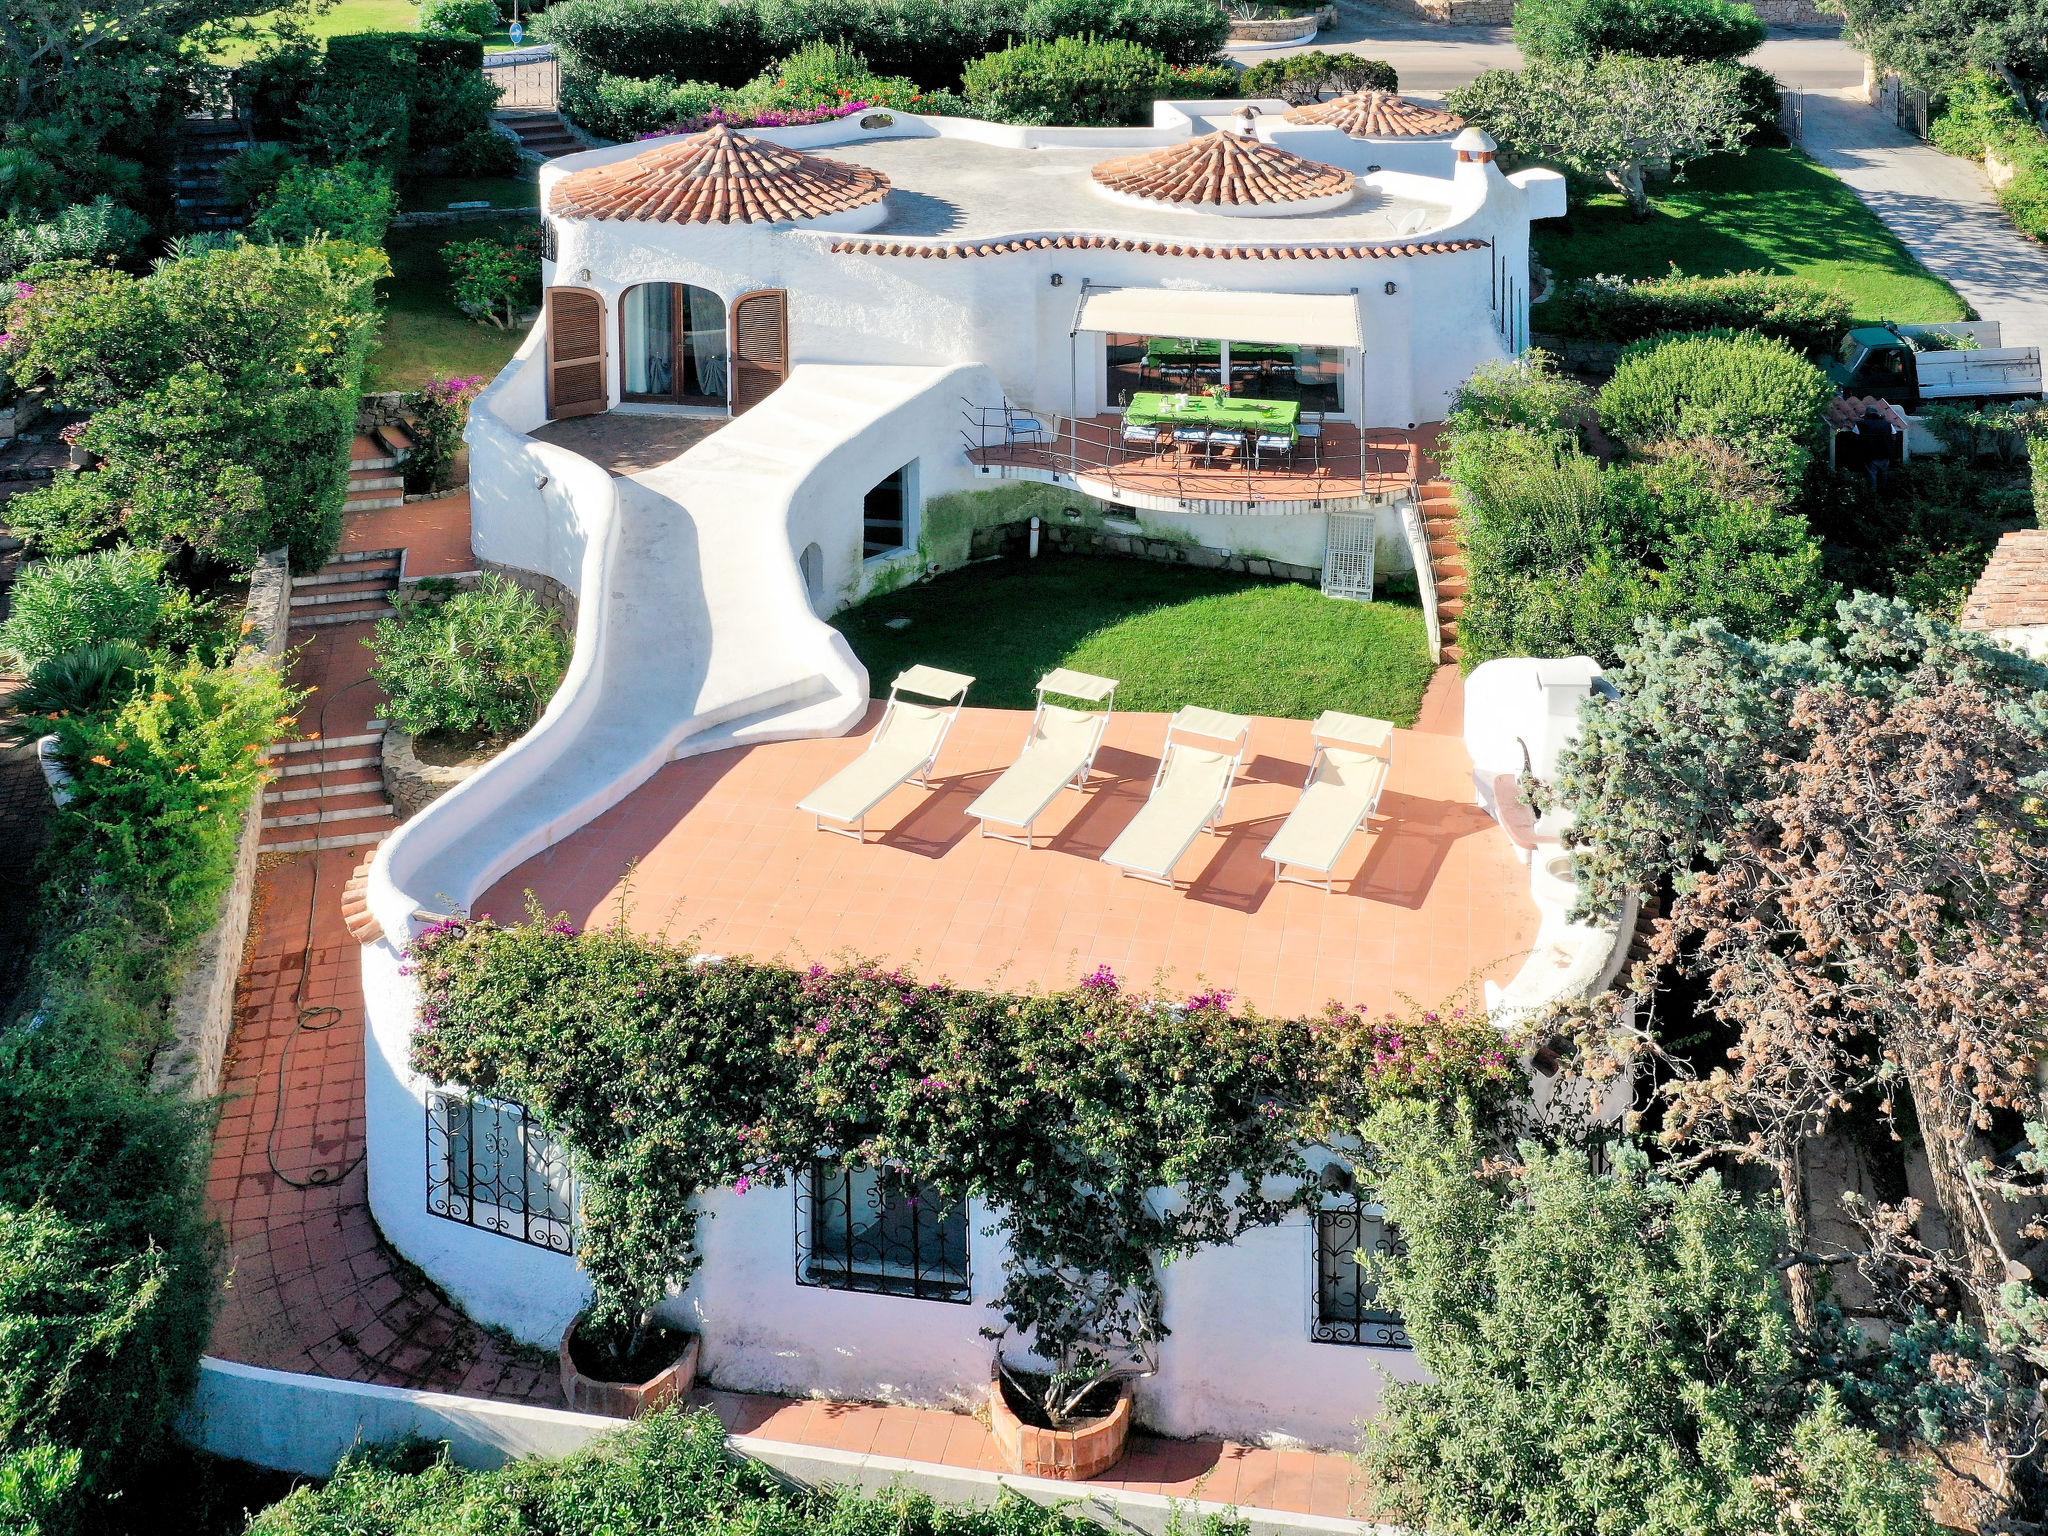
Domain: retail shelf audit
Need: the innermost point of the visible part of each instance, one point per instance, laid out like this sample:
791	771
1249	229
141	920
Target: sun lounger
1188	793
1058	753
905	746
1346	777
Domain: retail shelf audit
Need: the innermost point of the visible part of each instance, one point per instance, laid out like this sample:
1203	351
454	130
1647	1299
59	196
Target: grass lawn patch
1169	634
432	194
360	16
425	335
1770	210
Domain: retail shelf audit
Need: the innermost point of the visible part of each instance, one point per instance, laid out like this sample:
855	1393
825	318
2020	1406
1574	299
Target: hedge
1739	391
930	42
1070	80
1802	314
1300	78
1981	119
1696	30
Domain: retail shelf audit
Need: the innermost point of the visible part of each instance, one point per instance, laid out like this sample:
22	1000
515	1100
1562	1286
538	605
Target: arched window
672	345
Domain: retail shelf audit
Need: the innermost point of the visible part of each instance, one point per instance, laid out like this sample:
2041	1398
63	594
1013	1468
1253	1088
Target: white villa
877	313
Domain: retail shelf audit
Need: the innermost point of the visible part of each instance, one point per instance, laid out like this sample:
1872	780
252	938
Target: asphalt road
1432	59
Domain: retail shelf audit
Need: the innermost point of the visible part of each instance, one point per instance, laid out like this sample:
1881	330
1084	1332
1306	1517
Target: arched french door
673	345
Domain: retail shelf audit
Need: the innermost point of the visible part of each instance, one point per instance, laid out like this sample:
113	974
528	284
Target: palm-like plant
89	680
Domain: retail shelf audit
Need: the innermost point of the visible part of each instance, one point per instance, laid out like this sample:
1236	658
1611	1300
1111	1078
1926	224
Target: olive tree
1617	117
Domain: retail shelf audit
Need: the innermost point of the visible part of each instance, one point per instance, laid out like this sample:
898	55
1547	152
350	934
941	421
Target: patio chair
1059	753
1019	426
1346	777
1271	443
1188	793
1137	435
905	747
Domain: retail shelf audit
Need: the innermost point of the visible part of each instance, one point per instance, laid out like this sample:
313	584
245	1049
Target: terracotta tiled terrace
1348	464
313	1288
1430	896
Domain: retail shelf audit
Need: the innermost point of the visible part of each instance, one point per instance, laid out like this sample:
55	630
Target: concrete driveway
1432	59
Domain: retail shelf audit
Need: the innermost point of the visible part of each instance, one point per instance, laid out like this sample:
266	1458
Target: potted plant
1086	1293
625	1373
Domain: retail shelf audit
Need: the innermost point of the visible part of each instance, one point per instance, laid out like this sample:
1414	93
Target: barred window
548	238
489	1167
868	1229
1348	1309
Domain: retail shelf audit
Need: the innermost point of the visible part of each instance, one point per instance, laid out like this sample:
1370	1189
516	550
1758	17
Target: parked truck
1882	361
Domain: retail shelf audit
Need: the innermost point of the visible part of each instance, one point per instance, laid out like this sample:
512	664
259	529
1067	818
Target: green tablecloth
1161	410
1162	349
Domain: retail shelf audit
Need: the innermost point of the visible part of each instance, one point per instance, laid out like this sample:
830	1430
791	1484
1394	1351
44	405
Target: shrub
1681	29
1306	77
703	39
346	202
1193	82
476	18
1179	31
437	414
85	680
1761	97
253	175
1751	392
1069	81
70	515
819	74
483	661
1552	1304
620	107
100	230
930	41
1980	118
58	605
494	281
1802	314
1527	392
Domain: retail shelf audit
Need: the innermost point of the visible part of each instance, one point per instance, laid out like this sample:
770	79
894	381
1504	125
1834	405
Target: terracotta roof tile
1013	245
2013	591
1378	115
1222	170
717	177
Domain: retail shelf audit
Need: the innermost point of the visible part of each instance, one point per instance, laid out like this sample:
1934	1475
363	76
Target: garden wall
203	1011
1012	540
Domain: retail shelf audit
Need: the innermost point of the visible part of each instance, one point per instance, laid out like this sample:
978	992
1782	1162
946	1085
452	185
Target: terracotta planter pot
1070	1455
625	1399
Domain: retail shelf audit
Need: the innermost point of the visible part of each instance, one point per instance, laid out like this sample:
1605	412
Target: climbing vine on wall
1109	1129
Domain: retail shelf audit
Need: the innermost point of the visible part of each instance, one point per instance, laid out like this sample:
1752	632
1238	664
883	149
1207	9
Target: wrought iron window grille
1347	1303
874	1230
491	1168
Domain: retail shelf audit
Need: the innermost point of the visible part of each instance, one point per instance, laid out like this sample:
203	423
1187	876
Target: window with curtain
649	351
870	1229
704	344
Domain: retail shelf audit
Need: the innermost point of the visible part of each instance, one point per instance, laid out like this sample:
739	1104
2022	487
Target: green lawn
1171	635
1770	210
365	16
430	194
425	335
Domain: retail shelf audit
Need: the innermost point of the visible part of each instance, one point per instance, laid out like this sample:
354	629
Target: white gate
1347	555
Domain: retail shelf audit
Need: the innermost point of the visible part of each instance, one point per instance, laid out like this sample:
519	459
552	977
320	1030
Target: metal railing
1330	462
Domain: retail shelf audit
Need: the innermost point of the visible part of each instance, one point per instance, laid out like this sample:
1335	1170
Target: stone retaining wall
1280	29
552	594
412	785
1012	540
203	1010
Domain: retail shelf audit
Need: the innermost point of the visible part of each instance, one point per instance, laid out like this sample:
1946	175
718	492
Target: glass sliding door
1193	365
673	345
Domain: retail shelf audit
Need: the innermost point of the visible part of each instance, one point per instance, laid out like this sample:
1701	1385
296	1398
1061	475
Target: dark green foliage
1925	536
1610	1352
473	17
653	39
621	107
1310	76
1742	391
349	201
669	1475
1802	314
1981	117
1683	29
480	662
89	679
61	604
411	100
1179	31
1069	81
99	230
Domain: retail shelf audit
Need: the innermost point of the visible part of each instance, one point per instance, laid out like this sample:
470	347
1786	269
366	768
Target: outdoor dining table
1231	413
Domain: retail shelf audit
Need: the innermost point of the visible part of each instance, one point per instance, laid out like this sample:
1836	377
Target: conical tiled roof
1222	170
718	177
1378	115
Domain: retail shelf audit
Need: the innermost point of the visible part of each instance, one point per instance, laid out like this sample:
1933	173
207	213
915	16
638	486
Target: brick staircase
1446	561
541	133
204	146
374	470
329	791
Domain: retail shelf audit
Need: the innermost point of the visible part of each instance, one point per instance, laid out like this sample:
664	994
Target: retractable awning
1291	319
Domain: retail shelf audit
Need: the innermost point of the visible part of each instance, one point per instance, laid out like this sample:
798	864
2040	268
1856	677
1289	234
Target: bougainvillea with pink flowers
1107	1128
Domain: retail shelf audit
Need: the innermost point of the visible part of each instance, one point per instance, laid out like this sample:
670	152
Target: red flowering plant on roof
1101	1131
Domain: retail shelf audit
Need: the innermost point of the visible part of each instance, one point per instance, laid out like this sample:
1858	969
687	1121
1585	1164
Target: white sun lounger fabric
1346	777
905	746
1060	751
1188	793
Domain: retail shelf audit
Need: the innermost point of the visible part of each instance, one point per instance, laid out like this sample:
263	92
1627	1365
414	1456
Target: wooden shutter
576	353
760	346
